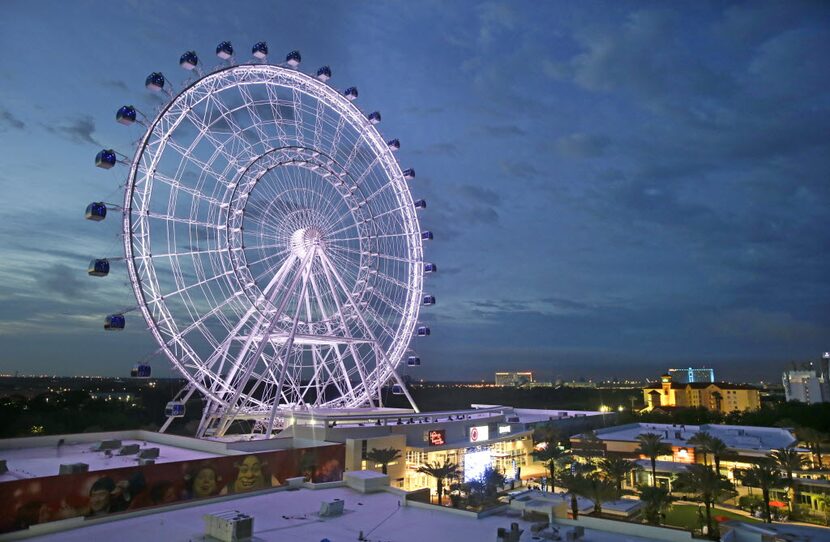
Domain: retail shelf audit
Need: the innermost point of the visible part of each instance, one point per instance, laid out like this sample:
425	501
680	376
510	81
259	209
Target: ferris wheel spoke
173	183
250	106
274	101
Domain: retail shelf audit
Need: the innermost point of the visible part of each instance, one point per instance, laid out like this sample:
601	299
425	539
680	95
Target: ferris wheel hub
304	239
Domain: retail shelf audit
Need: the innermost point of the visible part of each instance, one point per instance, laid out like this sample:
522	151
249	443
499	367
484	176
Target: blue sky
615	187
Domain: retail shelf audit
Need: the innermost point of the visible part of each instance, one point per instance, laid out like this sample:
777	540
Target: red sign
437	437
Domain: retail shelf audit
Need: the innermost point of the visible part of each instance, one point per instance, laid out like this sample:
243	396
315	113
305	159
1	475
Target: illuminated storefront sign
479	433
437	437
503	429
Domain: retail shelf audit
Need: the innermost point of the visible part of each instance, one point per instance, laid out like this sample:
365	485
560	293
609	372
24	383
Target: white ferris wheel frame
228	399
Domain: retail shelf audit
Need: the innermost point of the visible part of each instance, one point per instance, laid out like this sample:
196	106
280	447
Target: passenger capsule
293	59
426	235
189	60
97	211
397	389
125	115
421	204
350	93
429	300
324	73
413	361
174	409
430	268
423	331
409	174
99	268
374	117
224	50
260	50
154	81
393	144
142	370
105	159
114	322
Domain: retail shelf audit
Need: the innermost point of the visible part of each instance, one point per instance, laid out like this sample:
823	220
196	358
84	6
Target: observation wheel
271	241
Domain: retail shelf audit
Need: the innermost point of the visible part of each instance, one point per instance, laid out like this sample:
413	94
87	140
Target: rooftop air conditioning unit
73	468
229	526
331	508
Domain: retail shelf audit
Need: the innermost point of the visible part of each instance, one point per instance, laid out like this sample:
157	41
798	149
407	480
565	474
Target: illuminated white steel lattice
273	246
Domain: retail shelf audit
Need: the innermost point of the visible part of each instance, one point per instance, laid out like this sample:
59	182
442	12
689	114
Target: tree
717	448
764	475
702	441
788	460
813	438
549	433
550	455
617	470
599	489
718	397
652	447
656	500
707	484
440	471
493	480
384	456
590	446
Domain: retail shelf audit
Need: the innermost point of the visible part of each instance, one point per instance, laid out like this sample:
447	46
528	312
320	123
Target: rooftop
292	515
738	437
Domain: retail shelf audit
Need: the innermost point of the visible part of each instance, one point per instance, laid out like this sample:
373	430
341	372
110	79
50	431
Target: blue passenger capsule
430	268
99	268
125	115
350	93
154	81
260	50
421	204
96	211
142	370
189	60
324	73
426	235
413	361
105	159
293	59
409	174
224	50
393	144
397	389
429	300
423	331
374	117
114	322
174	409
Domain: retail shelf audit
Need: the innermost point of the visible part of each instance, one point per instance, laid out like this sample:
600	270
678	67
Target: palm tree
384	456
813	438
617	470
788	460
656	500
652	447
598	489
590	445
765	475
718	397
702	441
574	482
706	484
440	471
550	456
717	448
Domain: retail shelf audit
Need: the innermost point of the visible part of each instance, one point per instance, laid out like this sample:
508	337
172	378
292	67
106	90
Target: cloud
62	280
765	326
442	149
79	130
502	130
580	145
9	120
480	194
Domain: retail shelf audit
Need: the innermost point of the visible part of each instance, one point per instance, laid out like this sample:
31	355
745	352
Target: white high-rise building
805	386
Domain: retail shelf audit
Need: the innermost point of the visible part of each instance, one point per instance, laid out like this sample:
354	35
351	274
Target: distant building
716	396
690	374
514	379
805	386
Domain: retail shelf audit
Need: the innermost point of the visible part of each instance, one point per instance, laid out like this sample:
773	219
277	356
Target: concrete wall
354	458
632	529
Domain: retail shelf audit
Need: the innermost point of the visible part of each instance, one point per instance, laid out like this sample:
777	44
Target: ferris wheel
271	241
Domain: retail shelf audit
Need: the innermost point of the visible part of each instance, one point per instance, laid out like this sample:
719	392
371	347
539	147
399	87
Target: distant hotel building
690	375
514	379
716	396
808	385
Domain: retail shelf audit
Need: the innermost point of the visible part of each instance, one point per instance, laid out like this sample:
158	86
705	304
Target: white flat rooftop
292	515
740	437
46	460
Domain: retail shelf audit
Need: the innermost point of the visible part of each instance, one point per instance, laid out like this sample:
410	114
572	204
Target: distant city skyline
615	188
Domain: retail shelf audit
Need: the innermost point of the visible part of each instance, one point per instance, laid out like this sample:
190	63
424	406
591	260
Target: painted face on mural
99	501
250	474
205	483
